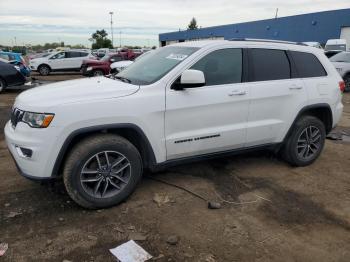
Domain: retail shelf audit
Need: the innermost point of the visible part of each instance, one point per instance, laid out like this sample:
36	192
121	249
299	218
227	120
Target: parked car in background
38	55
331	53
16	59
117	67
341	62
314	44
104	51
59	61
93	67
336	44
10	75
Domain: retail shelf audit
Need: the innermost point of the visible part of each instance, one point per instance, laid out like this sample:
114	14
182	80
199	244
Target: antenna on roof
276	16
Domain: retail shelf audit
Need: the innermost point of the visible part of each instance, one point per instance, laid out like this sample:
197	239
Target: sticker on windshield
178	57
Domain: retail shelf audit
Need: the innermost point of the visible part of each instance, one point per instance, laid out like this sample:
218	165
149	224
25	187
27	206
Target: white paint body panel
262	113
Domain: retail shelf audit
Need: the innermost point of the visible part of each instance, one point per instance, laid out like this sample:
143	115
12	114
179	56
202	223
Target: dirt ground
276	212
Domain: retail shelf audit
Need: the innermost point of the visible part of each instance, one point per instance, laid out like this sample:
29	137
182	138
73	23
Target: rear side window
72	54
221	67
307	65
268	64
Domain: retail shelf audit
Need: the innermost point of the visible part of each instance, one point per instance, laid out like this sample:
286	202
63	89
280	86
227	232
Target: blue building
314	27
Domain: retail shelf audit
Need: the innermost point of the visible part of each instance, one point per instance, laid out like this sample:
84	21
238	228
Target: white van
336	44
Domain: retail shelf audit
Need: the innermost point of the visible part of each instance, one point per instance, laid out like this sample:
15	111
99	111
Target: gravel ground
276	212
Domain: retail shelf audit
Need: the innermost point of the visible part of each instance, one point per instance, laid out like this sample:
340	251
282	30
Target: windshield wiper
123	79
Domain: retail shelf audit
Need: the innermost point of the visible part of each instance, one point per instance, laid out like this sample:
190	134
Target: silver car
341	62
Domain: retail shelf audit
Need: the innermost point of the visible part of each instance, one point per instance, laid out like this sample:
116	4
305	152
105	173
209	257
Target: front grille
16	116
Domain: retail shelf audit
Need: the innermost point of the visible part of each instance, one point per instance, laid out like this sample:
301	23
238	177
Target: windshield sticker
178	57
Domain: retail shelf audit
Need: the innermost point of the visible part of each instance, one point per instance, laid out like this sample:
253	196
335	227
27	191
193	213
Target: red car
100	67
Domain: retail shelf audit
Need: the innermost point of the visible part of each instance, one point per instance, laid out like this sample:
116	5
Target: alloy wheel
105	174
309	143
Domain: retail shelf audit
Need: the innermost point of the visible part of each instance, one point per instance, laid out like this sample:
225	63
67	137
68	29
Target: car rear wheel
44	70
97	73
101	171
2	85
306	141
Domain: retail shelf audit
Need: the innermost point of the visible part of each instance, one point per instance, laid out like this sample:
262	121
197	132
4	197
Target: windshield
341	57
335	47
152	67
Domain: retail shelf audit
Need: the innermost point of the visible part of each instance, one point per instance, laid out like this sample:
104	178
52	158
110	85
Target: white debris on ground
130	252
3	248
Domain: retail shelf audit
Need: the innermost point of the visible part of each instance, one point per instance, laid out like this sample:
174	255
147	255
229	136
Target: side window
58	56
82	54
72	54
268	64
221	67
116	58
307	65
4	56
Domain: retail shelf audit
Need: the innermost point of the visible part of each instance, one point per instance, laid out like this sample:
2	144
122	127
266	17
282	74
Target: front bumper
39	166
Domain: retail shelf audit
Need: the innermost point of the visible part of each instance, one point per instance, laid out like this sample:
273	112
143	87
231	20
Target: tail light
342	86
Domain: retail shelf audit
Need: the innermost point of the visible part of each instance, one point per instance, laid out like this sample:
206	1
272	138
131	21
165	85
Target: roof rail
267	41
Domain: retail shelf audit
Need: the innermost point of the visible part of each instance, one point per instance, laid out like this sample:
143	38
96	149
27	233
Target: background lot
289	214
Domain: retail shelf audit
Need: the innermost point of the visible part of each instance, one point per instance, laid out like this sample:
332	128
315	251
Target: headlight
89	68
37	120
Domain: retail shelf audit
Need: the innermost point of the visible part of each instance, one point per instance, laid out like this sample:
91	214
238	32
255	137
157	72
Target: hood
73	91
39	59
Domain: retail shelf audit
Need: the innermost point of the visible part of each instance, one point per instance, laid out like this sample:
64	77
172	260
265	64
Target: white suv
59	61
182	102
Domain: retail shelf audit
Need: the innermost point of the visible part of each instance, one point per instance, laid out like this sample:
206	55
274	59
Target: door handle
238	93
293	87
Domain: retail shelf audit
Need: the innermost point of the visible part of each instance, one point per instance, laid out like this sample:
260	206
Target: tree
100	40
193	24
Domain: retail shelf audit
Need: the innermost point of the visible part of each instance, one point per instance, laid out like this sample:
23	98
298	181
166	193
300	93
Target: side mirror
189	79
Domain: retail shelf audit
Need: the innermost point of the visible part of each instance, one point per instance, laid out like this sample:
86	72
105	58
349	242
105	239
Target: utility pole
111	13
276	16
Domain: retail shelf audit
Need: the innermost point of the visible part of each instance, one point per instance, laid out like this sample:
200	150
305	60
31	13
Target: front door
213	117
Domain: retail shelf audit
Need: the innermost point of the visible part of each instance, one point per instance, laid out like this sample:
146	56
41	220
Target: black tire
2	85
44	70
86	150
97	72
295	141
347	83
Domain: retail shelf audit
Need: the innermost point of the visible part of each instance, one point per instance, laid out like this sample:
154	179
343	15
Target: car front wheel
306	141
102	170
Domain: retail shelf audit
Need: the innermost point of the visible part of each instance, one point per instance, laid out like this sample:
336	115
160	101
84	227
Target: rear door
276	97
319	86
73	60
213	117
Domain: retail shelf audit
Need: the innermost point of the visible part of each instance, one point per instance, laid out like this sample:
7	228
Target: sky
135	22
